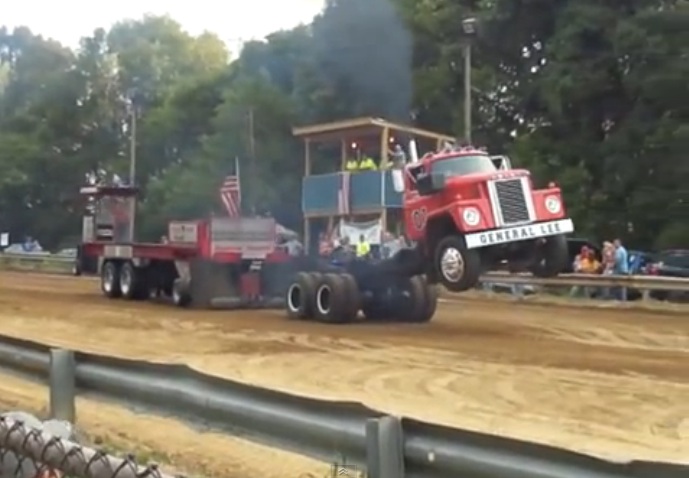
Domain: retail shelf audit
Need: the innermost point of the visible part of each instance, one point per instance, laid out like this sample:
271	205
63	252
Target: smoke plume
366	50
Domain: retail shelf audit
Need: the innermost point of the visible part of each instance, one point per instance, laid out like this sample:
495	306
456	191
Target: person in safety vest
363	248
367	164
351	165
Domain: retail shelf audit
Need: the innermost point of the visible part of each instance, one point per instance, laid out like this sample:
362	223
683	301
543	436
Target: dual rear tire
335	299
123	279
332	298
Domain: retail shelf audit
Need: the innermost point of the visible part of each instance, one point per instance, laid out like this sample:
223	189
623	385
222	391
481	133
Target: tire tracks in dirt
604	381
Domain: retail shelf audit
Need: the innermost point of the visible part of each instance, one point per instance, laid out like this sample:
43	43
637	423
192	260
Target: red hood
482	177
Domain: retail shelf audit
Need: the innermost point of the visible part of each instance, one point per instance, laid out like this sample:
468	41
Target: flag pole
239	182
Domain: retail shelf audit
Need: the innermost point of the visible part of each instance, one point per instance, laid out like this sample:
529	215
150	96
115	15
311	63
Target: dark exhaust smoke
365	49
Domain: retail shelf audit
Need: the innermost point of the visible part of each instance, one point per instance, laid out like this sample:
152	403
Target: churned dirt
608	381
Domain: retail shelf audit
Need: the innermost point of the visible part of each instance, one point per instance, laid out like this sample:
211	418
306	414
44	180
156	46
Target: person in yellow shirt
363	248
351	165
367	164
586	263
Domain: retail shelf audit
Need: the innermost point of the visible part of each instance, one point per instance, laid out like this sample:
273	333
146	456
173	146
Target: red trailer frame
208	263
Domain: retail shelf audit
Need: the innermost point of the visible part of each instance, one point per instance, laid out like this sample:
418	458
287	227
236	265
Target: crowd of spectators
330	245
367	162
614	260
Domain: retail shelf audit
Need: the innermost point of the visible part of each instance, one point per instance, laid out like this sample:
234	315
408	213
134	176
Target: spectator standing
585	263
398	157
621	267
363	248
608	265
325	245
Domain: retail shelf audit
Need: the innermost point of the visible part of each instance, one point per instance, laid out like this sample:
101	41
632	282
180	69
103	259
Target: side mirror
502	163
430	183
397	180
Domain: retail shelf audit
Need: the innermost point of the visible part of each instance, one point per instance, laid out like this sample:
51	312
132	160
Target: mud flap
212	280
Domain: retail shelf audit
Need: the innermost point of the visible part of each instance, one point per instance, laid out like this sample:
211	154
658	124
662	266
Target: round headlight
471	216
553	204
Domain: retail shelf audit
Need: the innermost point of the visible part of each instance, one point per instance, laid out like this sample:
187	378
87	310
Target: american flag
231	192
343	194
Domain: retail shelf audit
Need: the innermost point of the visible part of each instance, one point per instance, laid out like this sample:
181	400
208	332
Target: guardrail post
62	385
384	448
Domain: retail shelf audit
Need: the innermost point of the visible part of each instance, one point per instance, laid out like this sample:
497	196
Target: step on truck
219	262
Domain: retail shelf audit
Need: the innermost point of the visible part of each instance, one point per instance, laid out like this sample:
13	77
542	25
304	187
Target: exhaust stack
413	152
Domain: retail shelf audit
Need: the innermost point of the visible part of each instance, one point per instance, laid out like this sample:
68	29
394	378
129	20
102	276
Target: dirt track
610	382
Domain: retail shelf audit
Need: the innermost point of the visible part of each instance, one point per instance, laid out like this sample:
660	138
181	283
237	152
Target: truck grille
512	201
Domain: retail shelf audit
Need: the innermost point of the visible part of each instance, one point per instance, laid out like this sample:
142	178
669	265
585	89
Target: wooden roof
360	128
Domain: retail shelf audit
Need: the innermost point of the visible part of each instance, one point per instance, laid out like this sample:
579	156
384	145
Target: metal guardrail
640	282
387	447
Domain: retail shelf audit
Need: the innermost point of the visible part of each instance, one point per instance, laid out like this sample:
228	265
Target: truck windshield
460	165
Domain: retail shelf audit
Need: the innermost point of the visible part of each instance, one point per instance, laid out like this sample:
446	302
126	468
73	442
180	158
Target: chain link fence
30	448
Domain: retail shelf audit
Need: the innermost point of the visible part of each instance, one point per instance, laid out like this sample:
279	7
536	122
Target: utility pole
132	168
467	92
469	30
253	172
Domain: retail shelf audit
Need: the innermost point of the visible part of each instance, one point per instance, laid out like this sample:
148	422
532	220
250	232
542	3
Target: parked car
639	262
670	263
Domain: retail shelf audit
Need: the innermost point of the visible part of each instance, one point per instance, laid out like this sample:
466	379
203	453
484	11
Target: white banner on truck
254	238
372	231
183	232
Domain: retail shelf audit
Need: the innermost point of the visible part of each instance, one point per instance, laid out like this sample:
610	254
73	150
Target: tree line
593	95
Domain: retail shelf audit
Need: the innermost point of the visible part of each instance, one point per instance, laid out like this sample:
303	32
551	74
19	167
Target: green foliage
590	94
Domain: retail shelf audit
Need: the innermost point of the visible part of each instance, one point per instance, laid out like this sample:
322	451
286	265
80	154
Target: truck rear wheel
300	296
551	257
110	280
456	267
423	300
333	300
133	282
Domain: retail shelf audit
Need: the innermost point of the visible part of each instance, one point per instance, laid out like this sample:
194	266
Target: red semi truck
216	262
469	211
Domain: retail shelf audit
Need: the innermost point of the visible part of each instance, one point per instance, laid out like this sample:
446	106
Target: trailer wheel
110	280
457	267
181	295
299	300
133	282
331	299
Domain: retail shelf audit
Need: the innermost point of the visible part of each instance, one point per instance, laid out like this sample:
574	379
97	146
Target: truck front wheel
551	257
456	267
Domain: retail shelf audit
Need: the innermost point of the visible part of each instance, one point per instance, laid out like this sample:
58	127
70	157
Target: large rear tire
110	280
552	257
301	293
133	282
423	300
333	300
456	267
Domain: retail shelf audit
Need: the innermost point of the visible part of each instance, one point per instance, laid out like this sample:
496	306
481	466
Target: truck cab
470	211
